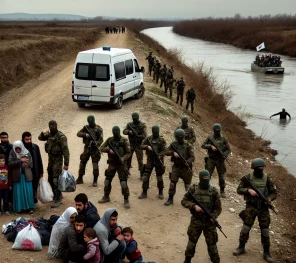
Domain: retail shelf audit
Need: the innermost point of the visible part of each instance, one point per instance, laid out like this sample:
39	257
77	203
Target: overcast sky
151	8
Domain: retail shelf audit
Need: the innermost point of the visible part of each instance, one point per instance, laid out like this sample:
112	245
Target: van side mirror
142	69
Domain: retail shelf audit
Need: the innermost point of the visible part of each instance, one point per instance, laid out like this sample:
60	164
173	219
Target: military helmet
258	162
179	133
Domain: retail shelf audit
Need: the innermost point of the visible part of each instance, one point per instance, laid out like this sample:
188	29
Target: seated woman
20	164
58	230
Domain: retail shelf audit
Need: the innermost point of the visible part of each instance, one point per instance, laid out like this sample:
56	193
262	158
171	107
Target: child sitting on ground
132	252
93	254
5	185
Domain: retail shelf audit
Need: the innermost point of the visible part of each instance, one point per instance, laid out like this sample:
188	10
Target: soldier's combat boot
266	255
222	192
143	195
57	200
160	194
170	201
95	181
79	180
187	259
240	250
105	199
126	202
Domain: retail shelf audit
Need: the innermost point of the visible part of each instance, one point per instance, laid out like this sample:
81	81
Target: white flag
261	46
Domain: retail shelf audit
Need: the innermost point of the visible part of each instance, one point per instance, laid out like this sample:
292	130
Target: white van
106	76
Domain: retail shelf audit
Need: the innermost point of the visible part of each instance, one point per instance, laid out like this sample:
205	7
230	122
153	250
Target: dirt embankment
28	50
278	33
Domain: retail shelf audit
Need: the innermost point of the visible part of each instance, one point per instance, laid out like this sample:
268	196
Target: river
256	94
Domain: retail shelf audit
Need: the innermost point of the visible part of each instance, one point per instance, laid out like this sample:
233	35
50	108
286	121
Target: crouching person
111	239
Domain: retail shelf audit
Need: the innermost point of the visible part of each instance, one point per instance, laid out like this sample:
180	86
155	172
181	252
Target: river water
256	94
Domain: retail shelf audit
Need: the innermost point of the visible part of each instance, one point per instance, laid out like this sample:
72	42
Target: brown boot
143	195
105	199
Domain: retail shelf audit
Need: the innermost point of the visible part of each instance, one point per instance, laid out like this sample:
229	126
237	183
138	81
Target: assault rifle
259	194
219	150
181	157
118	156
155	153
207	212
93	141
133	130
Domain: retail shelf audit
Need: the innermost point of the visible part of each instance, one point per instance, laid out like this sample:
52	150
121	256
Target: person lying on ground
59	229
109	233
132	252
93	254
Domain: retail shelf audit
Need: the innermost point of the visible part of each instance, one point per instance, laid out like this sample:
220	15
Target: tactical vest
207	198
94	131
183	149
53	145
156	143
258	183
220	142
119	146
140	131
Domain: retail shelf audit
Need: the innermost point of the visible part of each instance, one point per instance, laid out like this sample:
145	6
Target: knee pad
246	229
107	182
265	232
123	184
145	178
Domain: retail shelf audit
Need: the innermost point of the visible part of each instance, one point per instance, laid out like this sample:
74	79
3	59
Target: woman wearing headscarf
20	164
58	230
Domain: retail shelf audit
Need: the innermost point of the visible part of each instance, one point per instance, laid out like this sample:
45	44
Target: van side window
137	69
119	69
101	72
129	67
83	71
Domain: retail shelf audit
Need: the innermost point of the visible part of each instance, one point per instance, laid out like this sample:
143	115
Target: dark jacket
72	245
16	168
91	214
5	149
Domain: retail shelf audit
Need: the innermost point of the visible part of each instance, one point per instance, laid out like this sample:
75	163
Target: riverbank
245	145
278	33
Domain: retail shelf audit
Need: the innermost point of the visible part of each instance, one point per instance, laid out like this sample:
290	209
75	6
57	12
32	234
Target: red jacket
136	254
5	181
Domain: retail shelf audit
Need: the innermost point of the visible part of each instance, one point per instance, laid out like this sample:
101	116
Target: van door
130	78
82	81
138	76
101	78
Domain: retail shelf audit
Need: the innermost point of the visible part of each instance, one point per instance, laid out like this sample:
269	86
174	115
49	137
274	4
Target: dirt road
159	230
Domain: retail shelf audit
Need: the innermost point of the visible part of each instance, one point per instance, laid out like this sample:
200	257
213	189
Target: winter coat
93	254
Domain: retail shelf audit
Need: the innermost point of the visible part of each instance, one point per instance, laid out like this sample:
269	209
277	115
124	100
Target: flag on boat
261	46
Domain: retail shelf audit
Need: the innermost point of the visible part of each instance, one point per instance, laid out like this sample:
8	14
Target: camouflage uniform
159	145
189	134
156	70
150	59
180	90
90	150
190	97
215	159
200	223
135	142
57	148
256	208
163	73
114	165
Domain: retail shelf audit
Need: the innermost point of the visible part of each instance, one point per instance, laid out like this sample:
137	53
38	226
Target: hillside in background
26	16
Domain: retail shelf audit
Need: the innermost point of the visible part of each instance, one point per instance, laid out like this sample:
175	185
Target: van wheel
81	105
118	104
141	92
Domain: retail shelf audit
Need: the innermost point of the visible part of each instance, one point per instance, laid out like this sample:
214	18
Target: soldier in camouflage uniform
91	149
150	59
163	73
215	159
159	145
169	81
115	165
136	140
57	148
256	207
180	90
179	169
190	97
209	197
156	70
189	131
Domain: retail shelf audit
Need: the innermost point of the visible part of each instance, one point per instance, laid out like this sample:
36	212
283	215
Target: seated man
86	208
109	233
72	246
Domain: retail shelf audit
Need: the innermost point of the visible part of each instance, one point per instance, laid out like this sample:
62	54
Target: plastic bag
66	182
44	191
28	239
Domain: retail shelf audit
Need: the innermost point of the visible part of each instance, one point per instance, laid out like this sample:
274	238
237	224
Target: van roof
112	52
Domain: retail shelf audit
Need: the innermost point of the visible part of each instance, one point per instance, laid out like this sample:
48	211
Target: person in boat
283	115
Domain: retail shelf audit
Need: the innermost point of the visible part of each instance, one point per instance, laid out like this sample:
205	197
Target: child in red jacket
93	254
132	252
5	185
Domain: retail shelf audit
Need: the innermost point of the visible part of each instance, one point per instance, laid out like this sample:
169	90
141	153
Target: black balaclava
180	136
155	131
217	130
53	127
184	120
258	172
204	179
91	121
116	132
136	118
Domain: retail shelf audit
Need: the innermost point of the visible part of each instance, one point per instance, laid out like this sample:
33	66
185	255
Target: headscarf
24	151
58	231
105	220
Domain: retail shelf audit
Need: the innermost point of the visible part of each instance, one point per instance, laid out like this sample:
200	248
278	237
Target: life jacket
136	253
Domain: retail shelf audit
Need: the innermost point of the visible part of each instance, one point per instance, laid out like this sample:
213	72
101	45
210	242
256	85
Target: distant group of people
166	77
114	29
268	60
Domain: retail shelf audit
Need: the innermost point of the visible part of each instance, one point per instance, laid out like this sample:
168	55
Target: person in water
283	115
